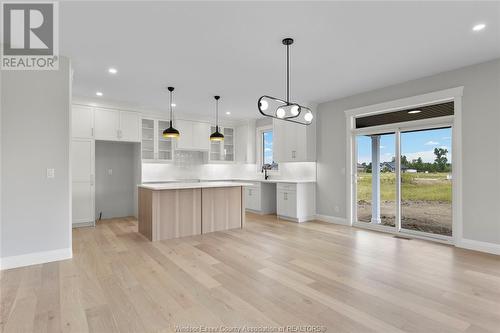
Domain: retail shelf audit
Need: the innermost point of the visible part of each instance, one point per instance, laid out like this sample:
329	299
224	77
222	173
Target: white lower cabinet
252	196
296	201
261	198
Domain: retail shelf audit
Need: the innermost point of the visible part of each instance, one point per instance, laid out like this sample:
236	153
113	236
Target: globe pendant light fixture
285	110
216	136
171	132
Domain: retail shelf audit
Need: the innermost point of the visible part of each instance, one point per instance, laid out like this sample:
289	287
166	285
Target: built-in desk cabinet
295	201
260	198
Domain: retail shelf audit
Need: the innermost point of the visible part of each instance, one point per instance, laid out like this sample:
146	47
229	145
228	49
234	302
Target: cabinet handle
293	153
92	131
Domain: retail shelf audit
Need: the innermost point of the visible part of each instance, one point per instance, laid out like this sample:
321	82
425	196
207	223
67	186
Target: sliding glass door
376	179
411	193
426	182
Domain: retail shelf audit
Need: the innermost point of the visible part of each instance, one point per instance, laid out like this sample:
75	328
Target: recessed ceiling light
112	70
98	93
479	27
228	113
173	105
414	111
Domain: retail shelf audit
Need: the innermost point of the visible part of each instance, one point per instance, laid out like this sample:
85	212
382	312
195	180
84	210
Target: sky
268	147
413	145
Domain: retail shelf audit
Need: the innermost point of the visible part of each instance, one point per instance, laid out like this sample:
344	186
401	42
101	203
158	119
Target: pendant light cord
171	109
217	114
288	73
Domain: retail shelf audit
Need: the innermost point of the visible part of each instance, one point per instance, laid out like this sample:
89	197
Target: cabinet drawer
286	187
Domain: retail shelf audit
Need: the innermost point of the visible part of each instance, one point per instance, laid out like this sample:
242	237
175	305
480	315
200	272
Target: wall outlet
110	172
336	208
51	173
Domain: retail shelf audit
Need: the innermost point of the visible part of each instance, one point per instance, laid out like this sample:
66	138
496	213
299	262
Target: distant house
391	167
361	167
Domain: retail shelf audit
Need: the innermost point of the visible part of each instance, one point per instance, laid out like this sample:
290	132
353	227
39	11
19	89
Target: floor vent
402	237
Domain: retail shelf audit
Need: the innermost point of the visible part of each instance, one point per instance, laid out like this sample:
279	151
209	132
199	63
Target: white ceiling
234	49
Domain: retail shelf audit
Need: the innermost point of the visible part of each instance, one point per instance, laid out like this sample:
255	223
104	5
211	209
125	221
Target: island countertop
177	186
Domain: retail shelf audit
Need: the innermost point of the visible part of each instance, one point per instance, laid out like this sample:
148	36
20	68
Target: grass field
414	187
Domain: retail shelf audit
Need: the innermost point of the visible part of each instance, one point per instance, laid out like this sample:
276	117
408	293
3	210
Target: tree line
440	163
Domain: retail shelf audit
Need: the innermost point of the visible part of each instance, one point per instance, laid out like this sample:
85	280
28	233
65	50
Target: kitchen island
173	210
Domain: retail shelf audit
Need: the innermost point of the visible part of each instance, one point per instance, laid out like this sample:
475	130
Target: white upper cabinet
245	142
201	135
129	126
107	123
223	151
115	125
294	142
82	122
193	135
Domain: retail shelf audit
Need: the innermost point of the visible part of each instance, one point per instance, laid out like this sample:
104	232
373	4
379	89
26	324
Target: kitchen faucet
265	167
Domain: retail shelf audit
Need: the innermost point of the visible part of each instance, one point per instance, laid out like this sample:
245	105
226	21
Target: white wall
36	211
115	194
481	144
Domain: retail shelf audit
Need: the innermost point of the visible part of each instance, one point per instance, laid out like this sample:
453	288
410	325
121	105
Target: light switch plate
51	173
110	172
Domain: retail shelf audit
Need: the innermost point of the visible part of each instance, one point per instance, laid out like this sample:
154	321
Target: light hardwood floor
271	273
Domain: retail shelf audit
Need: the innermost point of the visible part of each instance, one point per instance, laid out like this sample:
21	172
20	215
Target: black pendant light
216	136
285	110
171	132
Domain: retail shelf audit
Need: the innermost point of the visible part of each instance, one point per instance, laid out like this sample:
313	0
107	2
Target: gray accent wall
480	144
35	131
115	193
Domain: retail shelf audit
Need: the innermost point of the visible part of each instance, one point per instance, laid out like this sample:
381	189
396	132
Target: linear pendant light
171	132
216	136
285	110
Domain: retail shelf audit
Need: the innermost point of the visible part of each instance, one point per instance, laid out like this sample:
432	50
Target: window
267	147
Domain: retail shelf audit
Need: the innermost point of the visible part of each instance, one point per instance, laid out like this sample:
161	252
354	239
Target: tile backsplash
191	165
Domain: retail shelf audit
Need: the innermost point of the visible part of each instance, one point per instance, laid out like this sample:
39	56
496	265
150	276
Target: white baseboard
332	219
478	246
83	224
35	258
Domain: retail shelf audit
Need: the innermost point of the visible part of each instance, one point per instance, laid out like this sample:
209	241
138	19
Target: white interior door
83	189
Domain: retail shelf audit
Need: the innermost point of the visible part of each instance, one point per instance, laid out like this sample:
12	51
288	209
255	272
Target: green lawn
415	187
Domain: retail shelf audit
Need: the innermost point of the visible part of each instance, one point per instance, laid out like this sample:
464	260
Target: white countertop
270	180
204	184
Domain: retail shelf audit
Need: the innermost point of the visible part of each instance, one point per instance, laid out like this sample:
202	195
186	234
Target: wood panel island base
174	210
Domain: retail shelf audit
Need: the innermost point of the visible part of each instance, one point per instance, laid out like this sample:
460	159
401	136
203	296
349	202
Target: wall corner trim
35	258
480	246
332	219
